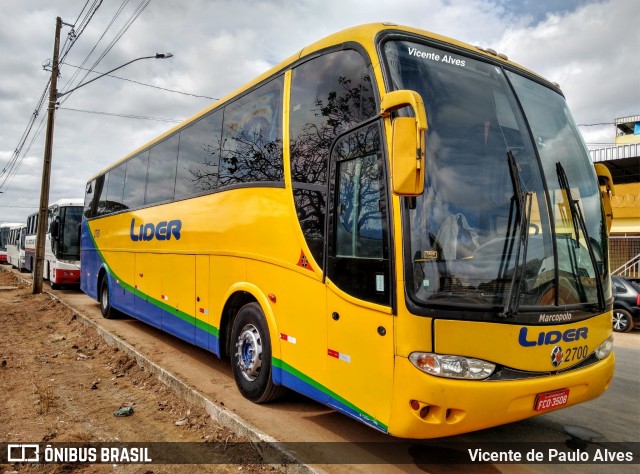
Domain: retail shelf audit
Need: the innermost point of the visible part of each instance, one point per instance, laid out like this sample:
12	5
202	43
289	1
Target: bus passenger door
204	330
360	351
178	288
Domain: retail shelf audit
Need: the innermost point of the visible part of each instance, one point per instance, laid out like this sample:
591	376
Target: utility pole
46	166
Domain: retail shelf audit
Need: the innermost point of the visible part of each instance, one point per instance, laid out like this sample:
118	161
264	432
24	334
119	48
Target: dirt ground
61	382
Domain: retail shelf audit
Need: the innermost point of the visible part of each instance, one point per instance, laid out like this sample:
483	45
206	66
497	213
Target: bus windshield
511	216
69	239
4	237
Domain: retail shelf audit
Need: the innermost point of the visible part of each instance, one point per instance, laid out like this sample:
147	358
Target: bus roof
67	202
365	35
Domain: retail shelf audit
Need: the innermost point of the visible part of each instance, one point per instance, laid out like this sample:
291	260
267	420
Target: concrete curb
289	462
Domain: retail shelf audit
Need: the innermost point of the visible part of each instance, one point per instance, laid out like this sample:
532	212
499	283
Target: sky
590	47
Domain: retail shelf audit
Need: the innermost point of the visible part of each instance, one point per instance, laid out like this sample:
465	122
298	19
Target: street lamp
48	147
157	56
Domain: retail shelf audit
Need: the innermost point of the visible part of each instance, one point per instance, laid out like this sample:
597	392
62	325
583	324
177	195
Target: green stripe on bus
305	378
157	303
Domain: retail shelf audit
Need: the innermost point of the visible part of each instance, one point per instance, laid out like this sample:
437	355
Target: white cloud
586	46
592	53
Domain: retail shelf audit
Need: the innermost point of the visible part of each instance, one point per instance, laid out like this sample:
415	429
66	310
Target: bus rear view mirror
53	228
607	190
407	161
407	142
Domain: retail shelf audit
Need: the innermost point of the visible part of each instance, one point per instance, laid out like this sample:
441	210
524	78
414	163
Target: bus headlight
605	348
452	366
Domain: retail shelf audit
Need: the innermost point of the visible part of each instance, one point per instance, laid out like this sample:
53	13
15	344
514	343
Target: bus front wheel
105	300
251	355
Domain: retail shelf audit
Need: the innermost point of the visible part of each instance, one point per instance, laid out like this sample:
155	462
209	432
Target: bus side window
359	216
358	260
88	206
329	95
115	187
135	180
199	156
102	196
252	137
161	177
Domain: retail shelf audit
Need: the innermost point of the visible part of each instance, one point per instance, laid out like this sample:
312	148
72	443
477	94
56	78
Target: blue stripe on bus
299	382
140	306
152	312
155	313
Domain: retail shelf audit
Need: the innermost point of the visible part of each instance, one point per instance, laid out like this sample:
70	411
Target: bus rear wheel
251	356
105	300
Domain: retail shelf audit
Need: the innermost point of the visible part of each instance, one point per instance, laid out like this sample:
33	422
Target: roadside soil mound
61	382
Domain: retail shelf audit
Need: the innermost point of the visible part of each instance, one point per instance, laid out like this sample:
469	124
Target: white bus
4	239
15	246
30	242
62	246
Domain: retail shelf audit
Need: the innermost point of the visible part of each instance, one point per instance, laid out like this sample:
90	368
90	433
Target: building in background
623	160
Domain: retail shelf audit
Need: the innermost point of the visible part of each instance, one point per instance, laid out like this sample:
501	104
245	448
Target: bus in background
15	246
30	242
5	228
313	229
62	244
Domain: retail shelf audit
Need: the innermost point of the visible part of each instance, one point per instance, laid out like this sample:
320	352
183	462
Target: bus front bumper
425	406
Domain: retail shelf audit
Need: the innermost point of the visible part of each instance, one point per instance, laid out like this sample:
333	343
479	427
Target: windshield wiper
576	214
522	200
579	225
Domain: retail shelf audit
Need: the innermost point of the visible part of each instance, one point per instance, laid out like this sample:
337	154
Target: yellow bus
396	224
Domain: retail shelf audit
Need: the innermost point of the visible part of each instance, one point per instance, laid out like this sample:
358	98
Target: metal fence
624	254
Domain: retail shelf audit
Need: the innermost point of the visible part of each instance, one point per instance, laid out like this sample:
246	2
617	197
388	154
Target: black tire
251	356
622	320
105	299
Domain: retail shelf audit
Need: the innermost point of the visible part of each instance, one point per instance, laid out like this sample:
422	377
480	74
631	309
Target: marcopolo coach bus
62	244
5	233
398	225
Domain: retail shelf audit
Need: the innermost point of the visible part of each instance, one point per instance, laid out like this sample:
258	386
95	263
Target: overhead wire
73	35
10	177
142	117
132	18
12	166
149	85
14	160
74	77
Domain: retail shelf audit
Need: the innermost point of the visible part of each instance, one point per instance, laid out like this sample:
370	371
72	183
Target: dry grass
45	398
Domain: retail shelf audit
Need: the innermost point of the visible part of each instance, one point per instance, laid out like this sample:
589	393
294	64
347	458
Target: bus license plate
549	400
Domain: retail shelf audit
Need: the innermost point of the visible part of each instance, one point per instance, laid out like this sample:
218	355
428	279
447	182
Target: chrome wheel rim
104	301
619	321
249	352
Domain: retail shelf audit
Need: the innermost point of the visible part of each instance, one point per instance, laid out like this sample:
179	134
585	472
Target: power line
11	168
14	162
144	84
128	22
141	117
74	34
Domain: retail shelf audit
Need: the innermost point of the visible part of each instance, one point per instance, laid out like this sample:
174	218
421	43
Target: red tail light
638	300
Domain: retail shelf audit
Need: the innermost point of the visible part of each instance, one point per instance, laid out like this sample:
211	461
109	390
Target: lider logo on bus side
160	231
